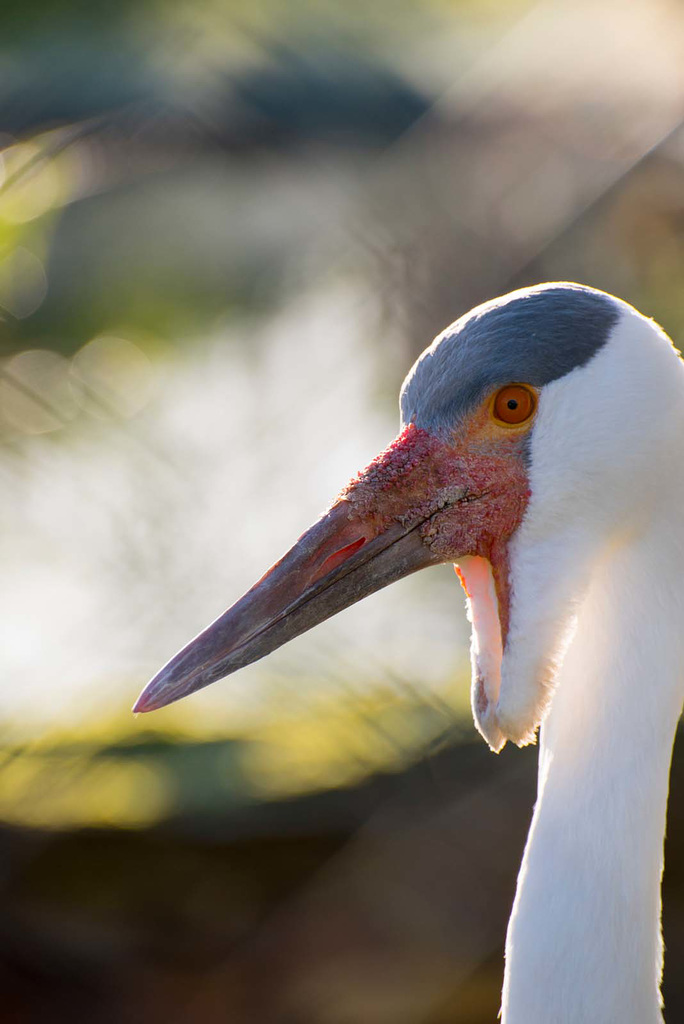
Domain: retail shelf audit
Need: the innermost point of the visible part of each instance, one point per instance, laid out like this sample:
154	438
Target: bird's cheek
487	516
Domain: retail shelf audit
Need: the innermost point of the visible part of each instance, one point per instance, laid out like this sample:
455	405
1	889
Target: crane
540	452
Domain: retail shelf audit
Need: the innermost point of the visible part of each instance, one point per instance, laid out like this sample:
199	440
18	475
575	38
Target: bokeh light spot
23	284
116	377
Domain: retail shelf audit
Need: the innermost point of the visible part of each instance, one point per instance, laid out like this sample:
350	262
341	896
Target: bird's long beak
333	565
368	539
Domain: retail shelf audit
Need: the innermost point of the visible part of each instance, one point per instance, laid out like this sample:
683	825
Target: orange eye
513	404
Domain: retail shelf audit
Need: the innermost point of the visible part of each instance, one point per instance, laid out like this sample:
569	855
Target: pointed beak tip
141	705
150	699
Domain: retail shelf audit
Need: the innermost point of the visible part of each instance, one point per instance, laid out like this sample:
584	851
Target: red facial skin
467	494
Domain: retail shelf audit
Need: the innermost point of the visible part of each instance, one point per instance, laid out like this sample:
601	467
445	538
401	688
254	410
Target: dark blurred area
387	901
226	230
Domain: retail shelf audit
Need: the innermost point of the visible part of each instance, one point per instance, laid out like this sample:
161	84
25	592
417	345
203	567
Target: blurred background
226	231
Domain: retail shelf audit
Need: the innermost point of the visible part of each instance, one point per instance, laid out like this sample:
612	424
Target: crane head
500	417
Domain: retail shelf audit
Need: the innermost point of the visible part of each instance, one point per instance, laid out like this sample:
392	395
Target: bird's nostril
337	558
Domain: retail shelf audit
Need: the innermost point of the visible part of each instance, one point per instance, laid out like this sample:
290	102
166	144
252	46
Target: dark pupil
512	403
